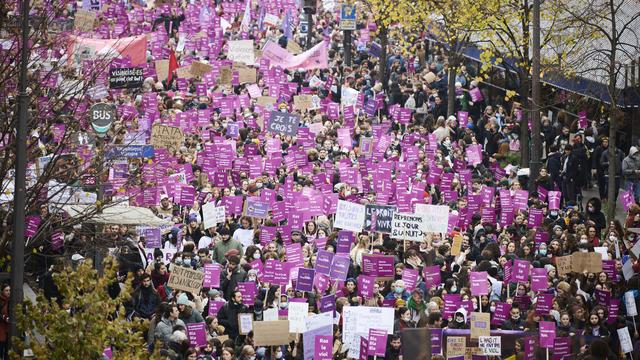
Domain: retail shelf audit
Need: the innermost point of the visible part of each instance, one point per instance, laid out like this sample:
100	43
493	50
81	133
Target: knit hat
182	299
549	268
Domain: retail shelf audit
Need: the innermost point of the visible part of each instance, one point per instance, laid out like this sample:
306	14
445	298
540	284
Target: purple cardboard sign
327	303
365	285
562	346
501	314
324	261
603	297
520	271
321	282
614	308
214	307
211	276
539	279
479	284
33	222
345	239
431	275
544	304
547	334
530	347
410	278
378	265
364	348
305	279
197	334
339	268
436	341
248	290
554	200
452	302
377	342
256	208
152	238
323	347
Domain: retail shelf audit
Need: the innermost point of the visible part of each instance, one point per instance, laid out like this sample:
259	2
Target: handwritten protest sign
302	102
162	69
589	262
247	76
490	345
212	215
185	279
241	51
199	69
480	324
407	227
271	333
283	123
245	323
378	218
436	217
166	137
349	216
456	346
84	20
298	312
359	320
563	263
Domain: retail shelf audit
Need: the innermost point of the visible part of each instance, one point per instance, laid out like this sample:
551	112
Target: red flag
173	66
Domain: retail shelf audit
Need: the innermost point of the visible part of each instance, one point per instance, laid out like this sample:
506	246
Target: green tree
95	323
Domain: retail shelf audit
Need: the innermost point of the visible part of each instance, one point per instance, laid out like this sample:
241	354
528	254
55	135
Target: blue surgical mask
399	290
543	252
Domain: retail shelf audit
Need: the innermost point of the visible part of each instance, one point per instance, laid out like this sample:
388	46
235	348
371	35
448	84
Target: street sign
101	116
348	17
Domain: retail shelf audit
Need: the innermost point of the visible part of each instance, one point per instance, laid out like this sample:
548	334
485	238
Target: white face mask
278	354
492	308
256	255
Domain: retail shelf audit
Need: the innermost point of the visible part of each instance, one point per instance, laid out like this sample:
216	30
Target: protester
300	186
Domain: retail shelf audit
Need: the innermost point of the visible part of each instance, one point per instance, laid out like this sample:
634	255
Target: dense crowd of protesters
423	160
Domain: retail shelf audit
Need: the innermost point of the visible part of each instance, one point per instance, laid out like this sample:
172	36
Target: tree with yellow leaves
453	23
88	322
506	41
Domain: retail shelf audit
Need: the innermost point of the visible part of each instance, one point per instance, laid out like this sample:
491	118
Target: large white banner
436	217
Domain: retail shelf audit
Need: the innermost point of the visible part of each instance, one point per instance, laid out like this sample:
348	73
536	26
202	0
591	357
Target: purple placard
324	261
561	346
345	239
211	276
248	290
32	221
364	348
323	347
544	304
305	279
256	208
431	275
539	279
530	347
520	271
214	307
410	278
603	297
339	268
327	303
436	341
377	342
614	308
547	334
554	200
57	239
197	334
365	285
479	284
152	238
501	314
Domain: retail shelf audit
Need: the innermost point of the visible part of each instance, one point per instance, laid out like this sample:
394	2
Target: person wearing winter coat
164	328
228	314
515	321
187	314
631	171
459	320
145	299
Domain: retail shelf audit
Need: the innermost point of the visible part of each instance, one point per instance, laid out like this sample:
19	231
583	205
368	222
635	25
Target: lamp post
19	197
536	149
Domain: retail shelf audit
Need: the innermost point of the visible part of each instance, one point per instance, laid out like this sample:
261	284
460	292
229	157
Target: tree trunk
384	73
524	124
451	88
